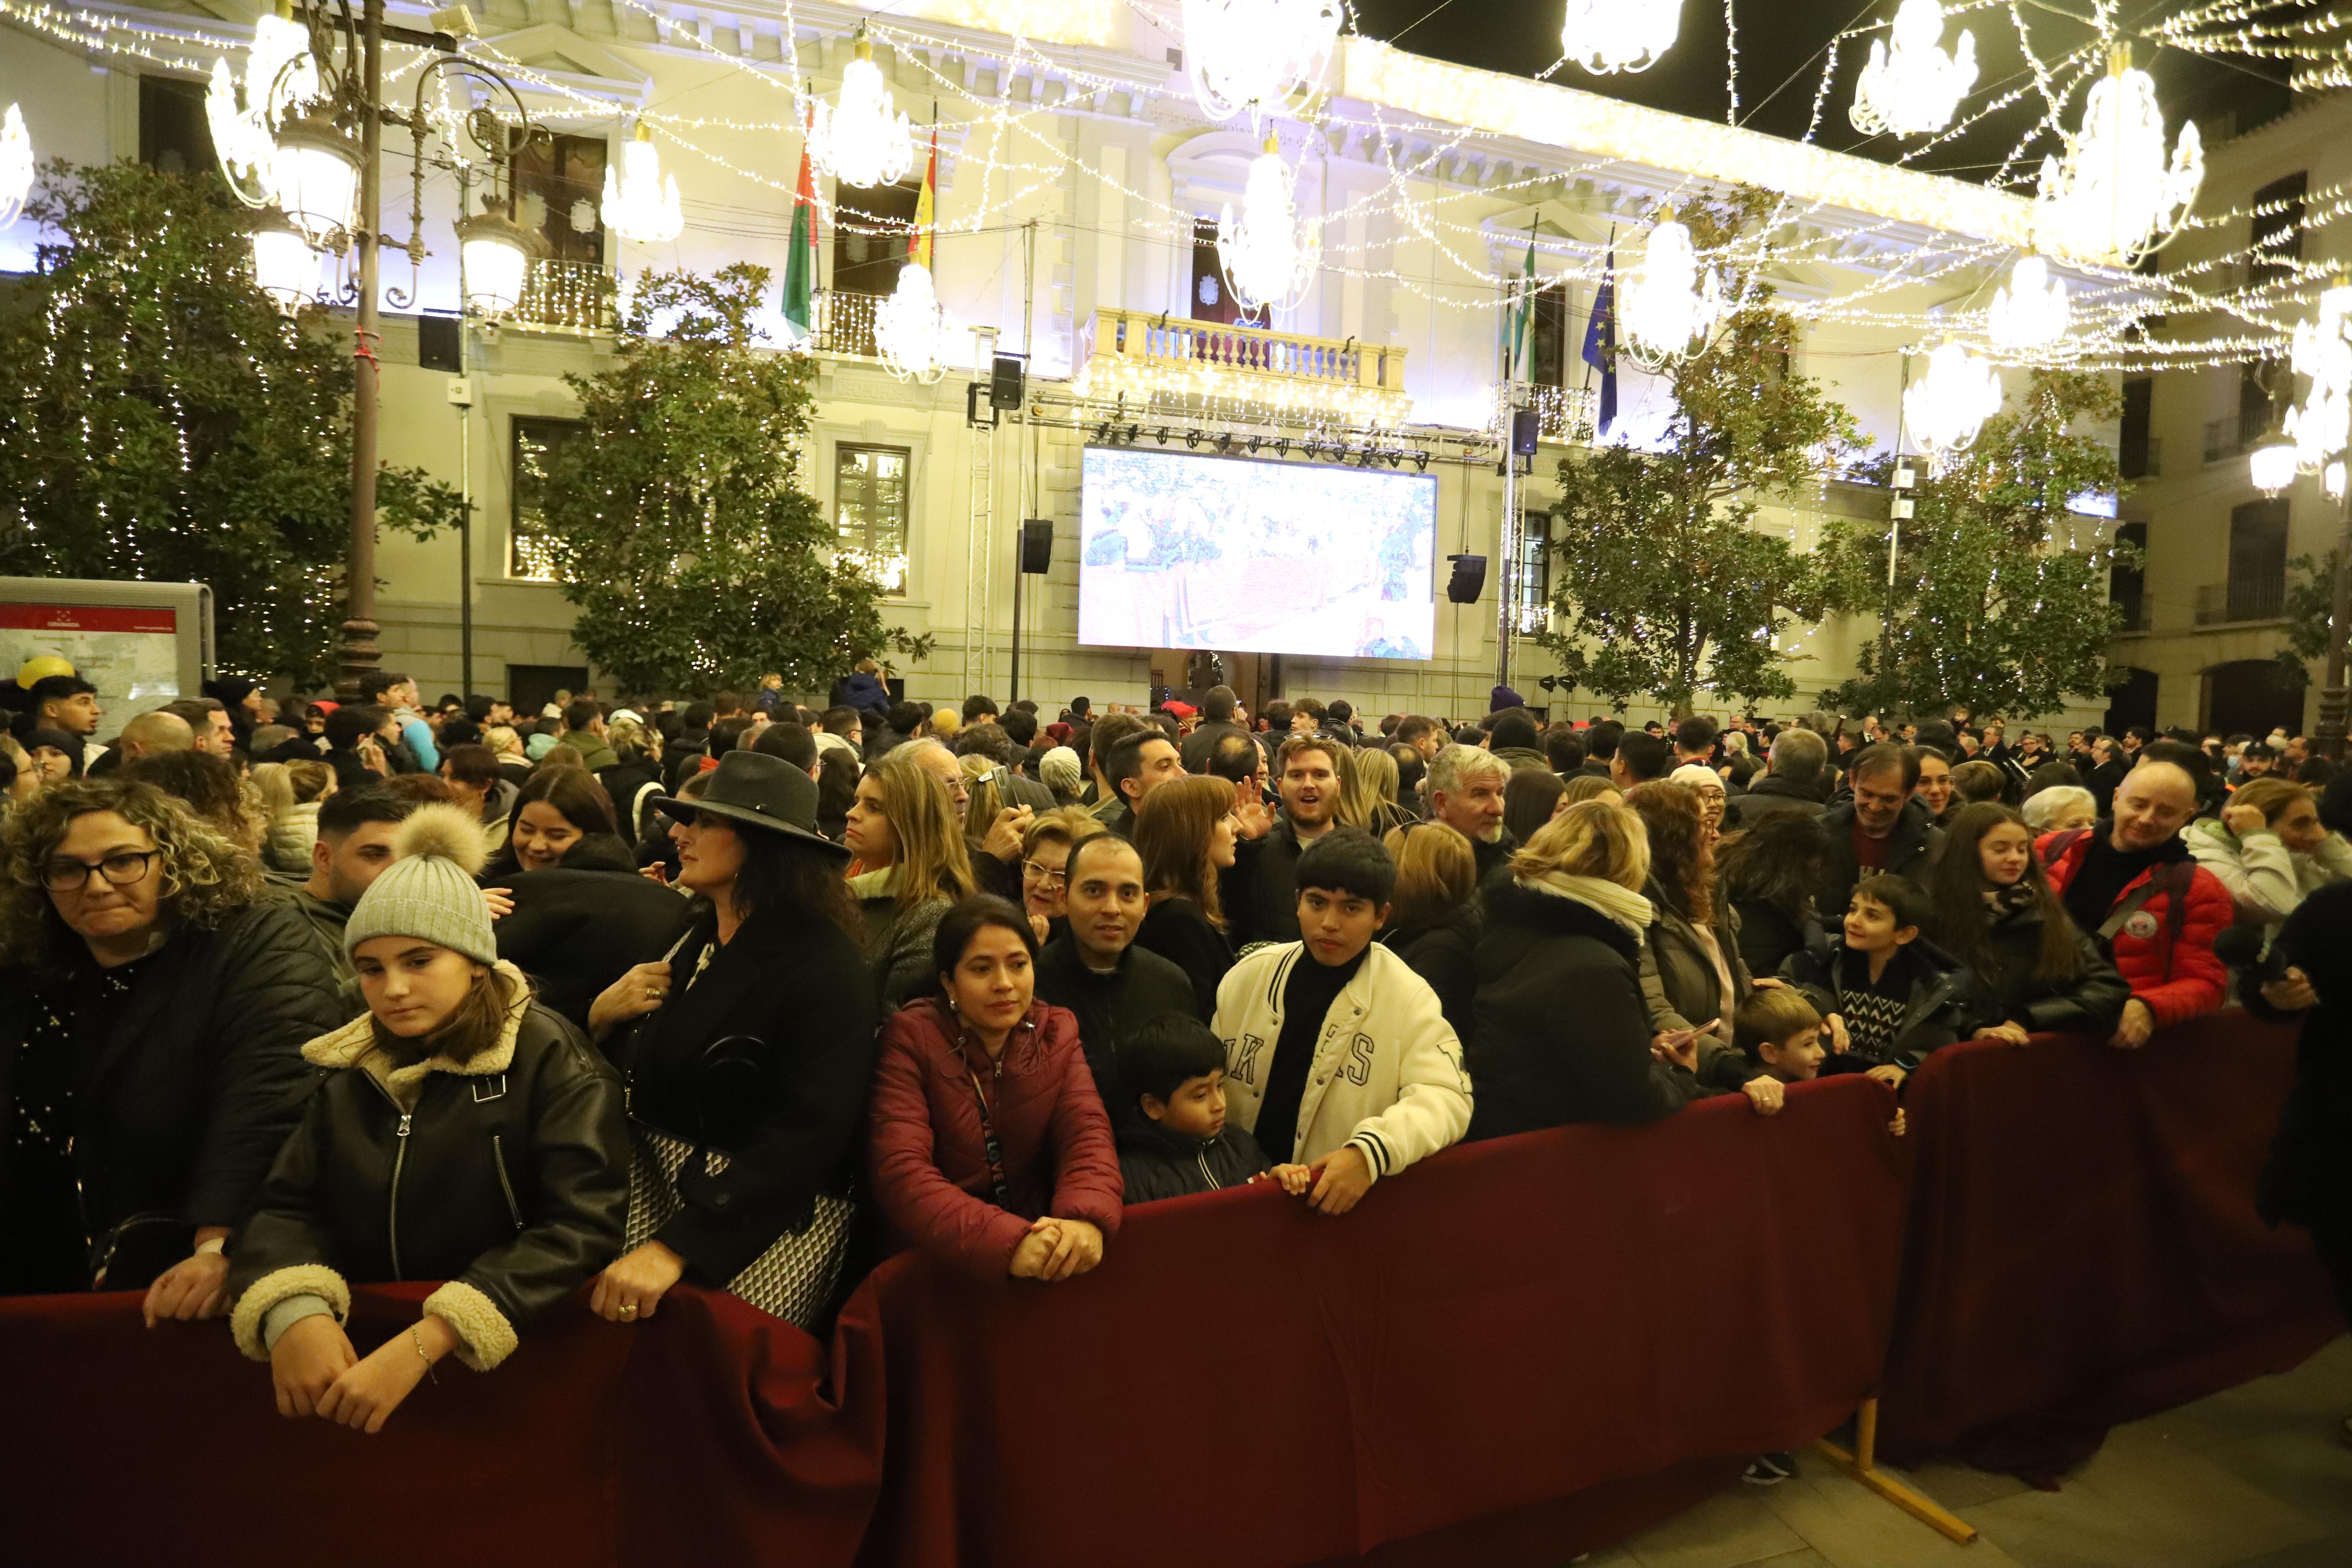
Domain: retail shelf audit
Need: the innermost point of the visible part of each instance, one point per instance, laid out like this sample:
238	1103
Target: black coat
183	1105
766	1057
1261	891
1110	1008
575	932
2007	988
1911	848
1154	1163
511	1174
1563	1033
2103	781
1767	793
1445	952
1770	933
2309	1177
622	781
1180	932
1202	742
1939	1010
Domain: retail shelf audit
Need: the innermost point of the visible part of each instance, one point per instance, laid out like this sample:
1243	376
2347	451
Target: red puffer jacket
928	1158
2177	979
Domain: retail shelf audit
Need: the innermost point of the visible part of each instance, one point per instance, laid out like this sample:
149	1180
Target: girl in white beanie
464	1134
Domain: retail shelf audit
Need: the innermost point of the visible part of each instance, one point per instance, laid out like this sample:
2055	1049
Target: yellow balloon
40	668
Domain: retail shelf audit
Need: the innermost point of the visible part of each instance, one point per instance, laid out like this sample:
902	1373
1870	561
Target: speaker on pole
1525	430
437	345
1037	546
1469	578
1008	383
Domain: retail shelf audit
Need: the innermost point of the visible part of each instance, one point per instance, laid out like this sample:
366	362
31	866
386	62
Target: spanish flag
919	243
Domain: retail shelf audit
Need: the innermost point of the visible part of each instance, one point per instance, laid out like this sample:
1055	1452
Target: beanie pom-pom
447	832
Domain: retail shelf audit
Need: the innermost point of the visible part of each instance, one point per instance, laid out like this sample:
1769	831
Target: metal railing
2243	598
841	323
567	295
1140	353
2150	464
2225	439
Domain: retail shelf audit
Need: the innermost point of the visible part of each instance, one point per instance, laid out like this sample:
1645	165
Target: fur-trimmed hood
352	1045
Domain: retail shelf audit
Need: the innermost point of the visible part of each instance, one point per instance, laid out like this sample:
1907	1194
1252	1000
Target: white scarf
1626	907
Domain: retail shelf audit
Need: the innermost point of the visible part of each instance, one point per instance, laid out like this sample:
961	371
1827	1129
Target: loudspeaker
1037	546
1524	428
1007	380
437	348
1469	578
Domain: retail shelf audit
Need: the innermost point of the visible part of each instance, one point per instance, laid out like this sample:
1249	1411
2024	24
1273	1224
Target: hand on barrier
2136	1024
1057	1250
193	1288
1766	1094
1292	1179
2290	992
631	1290
1890	1075
1899	1126
306	1361
1342	1177
365	1396
2015	1033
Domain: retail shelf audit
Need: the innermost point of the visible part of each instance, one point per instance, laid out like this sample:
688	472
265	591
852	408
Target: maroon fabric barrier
2083	1247
1512	1353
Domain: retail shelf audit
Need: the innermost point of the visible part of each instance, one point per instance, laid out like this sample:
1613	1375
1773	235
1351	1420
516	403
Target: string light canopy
1914	87
1669	308
861	141
911	328
2318	429
1606	37
1246	54
15	165
640	202
1945	408
1269	254
2032	312
2114	198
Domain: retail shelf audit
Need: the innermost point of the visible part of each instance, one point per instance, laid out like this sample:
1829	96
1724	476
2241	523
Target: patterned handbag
793	1280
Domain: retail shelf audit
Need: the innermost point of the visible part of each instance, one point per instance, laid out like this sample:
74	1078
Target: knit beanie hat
428	890
1059	769
1696	776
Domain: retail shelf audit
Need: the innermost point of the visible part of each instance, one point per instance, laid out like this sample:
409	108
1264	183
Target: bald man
152	734
2131	883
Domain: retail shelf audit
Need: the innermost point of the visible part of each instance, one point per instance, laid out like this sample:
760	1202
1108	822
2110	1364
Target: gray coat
897	942
1679	982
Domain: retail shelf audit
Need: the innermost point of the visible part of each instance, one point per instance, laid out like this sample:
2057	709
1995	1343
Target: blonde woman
911	867
1590	787
1563	1029
1434	917
291	794
1185	840
2270	849
1370	792
1045	846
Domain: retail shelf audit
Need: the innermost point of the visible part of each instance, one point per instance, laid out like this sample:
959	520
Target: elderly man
2132	882
1465	793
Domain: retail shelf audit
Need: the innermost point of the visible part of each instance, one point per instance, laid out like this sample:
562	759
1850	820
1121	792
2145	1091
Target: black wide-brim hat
753	790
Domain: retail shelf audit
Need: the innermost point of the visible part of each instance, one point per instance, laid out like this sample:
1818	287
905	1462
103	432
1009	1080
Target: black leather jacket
511	1176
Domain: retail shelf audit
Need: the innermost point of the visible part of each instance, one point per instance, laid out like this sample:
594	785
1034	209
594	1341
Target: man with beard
1263	901
1465	793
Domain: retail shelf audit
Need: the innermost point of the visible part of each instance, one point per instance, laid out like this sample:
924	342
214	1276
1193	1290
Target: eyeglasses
122	870
1039	871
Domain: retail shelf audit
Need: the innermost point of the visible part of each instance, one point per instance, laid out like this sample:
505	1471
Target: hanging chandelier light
1914	87
2115	199
285	266
2322	424
1668	308
861	141
2032	312
1606	37
911	328
494	253
640	200
1945	408
1268	254
1249	54
15	165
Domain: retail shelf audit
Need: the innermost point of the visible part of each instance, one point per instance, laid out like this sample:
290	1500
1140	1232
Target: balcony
583	297
1563	415
2226	439
2146	461
2242	599
1150	360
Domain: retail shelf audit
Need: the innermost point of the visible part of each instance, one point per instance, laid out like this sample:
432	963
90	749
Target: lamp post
306	146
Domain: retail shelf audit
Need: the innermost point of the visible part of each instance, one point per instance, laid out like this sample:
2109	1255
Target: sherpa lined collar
350	1045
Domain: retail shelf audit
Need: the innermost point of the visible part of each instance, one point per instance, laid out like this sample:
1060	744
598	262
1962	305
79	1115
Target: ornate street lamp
284	265
2313	440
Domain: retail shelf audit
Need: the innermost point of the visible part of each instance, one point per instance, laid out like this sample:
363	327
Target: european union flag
1600	343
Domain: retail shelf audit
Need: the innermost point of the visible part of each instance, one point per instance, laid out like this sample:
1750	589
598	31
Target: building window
535	441
2135	452
175	136
559	194
2257	589
869	237
2127	585
2277	232
869	510
1212	299
1550	353
1531	572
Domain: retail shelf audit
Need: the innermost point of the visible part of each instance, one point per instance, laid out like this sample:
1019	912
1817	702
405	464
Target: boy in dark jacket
1891	998
1175	1068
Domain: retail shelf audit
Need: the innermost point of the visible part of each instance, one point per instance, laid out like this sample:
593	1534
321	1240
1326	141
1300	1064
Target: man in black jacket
1261	890
1880	828
1792	781
1216	723
1097	971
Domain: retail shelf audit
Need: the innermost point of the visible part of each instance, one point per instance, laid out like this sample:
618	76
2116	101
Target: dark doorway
2132	703
175	136
531	687
2250	696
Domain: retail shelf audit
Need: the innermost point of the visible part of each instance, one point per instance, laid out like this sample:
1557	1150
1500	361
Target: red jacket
2177	980
926	1158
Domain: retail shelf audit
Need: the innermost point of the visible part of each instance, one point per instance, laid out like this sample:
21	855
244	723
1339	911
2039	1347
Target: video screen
1245	556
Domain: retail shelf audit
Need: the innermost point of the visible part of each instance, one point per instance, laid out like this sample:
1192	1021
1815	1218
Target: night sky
1784	42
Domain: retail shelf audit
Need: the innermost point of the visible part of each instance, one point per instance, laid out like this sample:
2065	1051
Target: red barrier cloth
1499	1328
1513	1351
2084	1250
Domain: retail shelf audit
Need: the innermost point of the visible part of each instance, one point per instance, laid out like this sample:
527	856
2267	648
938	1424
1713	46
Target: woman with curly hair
150	1055
1692	972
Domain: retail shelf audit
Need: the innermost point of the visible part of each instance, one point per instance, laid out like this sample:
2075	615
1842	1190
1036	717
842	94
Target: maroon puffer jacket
926	1158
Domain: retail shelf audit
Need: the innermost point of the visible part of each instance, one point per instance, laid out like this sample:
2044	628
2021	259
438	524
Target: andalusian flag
919	243
800	267
1523	319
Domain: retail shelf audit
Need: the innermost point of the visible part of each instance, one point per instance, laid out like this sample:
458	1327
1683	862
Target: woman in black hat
747	1052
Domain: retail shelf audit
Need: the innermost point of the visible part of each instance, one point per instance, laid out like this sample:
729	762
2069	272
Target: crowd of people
748	994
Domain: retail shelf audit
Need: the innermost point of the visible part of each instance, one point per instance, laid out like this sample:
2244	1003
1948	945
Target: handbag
793	1280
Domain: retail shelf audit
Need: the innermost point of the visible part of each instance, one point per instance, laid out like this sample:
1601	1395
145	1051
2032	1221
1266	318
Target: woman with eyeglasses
1045	846
150	1053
